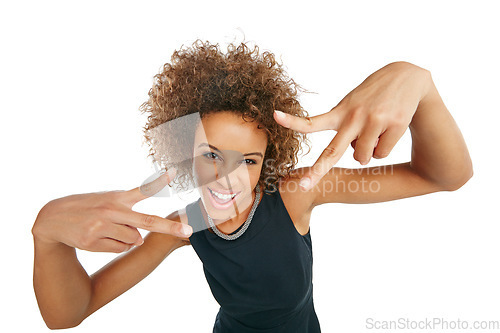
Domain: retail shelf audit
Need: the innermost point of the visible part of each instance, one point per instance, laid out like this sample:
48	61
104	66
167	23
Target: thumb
322	122
149	189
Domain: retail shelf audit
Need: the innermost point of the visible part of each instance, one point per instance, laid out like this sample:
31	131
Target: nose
232	177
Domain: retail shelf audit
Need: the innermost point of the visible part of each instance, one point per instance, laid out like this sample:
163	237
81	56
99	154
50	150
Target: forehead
227	130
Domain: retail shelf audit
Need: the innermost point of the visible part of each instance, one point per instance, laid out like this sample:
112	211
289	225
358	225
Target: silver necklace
245	225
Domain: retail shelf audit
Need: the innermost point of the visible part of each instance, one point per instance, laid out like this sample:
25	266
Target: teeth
222	196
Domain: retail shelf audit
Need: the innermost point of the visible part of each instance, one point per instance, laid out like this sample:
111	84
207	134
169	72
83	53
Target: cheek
254	174
204	171
200	171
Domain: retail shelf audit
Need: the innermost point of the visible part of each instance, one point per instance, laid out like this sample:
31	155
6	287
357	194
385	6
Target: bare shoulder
298	203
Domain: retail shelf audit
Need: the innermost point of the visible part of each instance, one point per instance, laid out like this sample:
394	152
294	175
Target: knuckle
148	221
320	170
376	117
105	209
330	152
180	229
176	228
86	241
95	227
356	114
381	154
150	189
145	188
398	120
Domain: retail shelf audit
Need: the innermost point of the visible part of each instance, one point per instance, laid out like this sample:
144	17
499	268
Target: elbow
61	326
60	323
53	327
460	181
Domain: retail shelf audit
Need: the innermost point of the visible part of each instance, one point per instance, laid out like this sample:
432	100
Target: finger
110	245
353	143
153	223
329	157
147	190
321	122
365	144
387	141
123	233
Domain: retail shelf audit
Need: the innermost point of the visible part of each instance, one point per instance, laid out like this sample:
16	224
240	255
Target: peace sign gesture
104	221
372	117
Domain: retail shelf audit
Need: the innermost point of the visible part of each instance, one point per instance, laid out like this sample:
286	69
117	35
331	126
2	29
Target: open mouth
221	200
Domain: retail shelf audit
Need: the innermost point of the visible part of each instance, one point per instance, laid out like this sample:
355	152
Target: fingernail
140	242
187	230
305	183
279	114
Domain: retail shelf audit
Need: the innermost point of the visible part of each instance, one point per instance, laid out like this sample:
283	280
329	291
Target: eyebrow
217	149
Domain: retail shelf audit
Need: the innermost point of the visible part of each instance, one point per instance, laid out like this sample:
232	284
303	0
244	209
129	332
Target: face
228	157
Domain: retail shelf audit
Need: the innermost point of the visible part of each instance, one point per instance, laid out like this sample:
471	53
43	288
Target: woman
251	223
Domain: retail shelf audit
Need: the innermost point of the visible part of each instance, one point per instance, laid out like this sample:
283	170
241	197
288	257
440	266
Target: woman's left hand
372	117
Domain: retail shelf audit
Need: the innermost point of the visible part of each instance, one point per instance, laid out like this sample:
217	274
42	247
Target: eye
211	155
250	161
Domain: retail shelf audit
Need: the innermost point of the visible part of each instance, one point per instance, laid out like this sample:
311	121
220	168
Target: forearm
130	268
439	152
62	287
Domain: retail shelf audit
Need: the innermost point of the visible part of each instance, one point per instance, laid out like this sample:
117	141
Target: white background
73	76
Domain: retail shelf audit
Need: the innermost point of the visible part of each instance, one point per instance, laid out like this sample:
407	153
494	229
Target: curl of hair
202	79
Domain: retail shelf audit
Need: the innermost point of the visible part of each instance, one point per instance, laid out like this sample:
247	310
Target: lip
223	191
219	205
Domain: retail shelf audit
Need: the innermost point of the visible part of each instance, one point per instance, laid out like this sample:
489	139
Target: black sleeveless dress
263	279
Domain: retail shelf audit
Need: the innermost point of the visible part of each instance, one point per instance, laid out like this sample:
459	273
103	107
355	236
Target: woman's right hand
104	221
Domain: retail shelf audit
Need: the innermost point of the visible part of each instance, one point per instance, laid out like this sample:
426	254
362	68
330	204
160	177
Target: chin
225	208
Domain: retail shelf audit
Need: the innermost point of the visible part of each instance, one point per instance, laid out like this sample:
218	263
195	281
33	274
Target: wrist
420	76
429	107
41	236
426	83
41	240
44	248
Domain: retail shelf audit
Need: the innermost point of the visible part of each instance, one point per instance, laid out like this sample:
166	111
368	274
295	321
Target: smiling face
229	154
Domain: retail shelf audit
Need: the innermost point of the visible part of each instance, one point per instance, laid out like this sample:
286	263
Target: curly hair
201	79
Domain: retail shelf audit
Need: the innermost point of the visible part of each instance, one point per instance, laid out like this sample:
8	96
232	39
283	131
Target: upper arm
369	185
131	267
